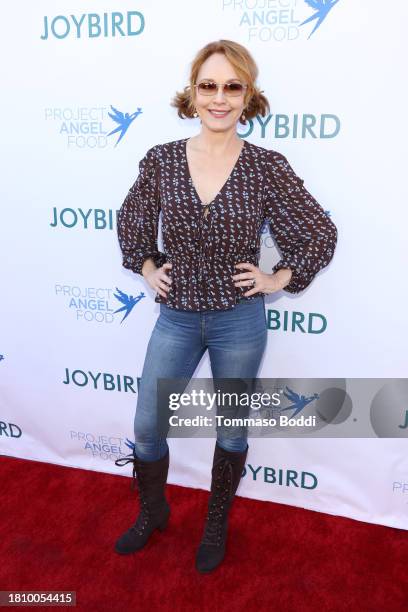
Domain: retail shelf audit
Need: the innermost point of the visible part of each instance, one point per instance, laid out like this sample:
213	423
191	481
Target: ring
253	282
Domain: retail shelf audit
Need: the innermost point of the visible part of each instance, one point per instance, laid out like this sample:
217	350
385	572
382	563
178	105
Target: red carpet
58	526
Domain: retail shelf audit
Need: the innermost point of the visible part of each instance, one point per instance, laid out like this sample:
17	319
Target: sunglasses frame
244	88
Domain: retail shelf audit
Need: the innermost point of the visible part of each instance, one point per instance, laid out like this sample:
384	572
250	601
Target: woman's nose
220	96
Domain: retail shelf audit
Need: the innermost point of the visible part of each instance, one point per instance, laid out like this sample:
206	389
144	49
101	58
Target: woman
214	190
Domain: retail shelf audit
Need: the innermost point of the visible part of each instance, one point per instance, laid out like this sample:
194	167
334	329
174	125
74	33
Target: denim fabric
235	338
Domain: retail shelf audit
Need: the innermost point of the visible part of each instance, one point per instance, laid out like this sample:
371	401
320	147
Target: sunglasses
210	88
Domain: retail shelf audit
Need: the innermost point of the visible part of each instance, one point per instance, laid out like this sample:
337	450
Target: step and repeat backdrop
86	92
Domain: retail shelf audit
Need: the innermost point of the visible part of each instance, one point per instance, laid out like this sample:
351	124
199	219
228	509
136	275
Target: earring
195	114
243	117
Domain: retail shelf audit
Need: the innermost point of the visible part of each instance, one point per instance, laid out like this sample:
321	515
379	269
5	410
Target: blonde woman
214	190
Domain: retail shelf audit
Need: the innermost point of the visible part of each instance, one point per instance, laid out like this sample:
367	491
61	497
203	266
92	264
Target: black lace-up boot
154	509
226	475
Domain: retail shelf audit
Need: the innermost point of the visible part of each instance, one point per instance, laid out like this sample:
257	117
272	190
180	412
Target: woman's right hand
158	279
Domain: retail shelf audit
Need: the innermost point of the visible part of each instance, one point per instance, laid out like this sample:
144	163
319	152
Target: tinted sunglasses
210	88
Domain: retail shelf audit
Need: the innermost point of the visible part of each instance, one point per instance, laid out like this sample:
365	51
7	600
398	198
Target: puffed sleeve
138	217
305	235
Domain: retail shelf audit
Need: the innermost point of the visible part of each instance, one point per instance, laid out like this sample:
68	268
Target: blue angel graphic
322	8
130	444
129	301
299	401
124	120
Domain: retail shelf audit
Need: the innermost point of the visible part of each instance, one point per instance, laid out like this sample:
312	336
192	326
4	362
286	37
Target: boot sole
160	528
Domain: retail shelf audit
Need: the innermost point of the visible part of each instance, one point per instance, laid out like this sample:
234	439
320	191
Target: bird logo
298	401
124	120
128	301
322	8
130	444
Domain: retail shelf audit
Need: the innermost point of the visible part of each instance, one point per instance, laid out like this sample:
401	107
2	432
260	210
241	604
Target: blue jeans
235	339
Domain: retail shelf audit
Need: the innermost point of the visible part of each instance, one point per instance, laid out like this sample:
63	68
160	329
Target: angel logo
124	120
279	21
298	401
128	301
90	126
322	8
95	304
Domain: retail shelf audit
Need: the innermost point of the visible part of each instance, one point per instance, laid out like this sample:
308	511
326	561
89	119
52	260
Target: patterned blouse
204	243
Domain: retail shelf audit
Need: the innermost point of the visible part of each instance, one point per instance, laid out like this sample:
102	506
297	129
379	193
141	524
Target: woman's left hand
264	283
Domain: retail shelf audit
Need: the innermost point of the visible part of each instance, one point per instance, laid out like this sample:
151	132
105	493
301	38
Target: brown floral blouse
203	244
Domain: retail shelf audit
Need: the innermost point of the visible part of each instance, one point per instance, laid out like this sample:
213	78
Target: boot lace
144	515
124	461
219	501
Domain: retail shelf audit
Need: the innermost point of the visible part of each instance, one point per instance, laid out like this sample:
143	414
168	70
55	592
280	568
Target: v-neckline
220	192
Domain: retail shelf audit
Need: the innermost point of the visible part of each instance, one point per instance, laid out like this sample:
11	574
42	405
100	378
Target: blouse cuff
300	279
136	262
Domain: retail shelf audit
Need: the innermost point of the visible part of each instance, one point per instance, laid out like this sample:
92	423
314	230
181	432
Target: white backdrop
65	177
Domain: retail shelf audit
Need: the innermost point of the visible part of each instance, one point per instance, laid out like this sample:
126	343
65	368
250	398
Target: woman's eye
207	86
235	87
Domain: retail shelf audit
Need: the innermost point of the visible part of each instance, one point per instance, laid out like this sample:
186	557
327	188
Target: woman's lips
218	114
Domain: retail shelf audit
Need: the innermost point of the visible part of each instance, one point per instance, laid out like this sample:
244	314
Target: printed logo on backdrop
400	489
10	430
104	447
295	321
97	304
91	218
297	126
279	20
280	477
101	381
93	25
93	127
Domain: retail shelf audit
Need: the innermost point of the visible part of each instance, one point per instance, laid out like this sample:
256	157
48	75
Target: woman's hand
265	283
157	277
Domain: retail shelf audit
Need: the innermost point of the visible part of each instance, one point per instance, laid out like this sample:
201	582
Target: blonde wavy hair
255	103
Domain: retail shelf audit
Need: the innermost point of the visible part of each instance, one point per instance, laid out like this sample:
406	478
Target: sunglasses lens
207	88
233	89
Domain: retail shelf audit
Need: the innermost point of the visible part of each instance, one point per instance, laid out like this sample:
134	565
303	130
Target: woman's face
217	68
